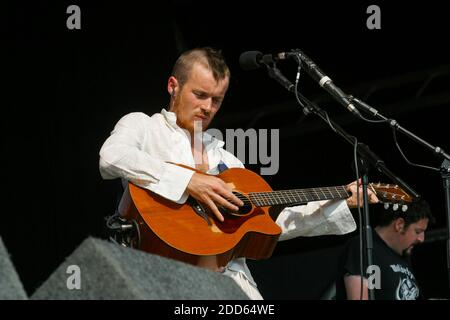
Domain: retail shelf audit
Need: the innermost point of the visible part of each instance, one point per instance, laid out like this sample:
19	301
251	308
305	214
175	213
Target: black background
65	90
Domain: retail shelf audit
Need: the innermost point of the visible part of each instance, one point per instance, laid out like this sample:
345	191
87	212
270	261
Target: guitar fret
259	198
316	194
339	192
277	198
291	196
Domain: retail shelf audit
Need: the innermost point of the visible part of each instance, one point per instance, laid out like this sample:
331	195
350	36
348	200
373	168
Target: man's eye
200	95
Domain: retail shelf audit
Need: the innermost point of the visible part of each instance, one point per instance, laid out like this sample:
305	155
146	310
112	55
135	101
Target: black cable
300	99
394	133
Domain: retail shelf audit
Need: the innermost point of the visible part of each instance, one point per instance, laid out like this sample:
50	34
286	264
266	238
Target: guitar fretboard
297	196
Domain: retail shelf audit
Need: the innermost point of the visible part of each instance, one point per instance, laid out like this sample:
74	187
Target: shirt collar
170	117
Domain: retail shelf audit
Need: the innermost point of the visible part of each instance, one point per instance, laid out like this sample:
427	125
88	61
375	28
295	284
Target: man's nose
207	105
421	237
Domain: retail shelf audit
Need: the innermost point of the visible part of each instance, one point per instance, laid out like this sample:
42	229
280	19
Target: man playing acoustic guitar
144	150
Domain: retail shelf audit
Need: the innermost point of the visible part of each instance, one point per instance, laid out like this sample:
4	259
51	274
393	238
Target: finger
374	198
229	195
212	206
354	183
223	202
232	197
352	187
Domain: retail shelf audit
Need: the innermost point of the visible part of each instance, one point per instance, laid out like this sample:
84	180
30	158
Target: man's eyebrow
200	91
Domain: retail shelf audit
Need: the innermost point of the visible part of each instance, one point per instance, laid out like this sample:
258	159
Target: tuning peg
386	205
404	207
395	207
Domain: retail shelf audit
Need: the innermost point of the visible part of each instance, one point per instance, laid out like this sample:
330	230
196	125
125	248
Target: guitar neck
297	196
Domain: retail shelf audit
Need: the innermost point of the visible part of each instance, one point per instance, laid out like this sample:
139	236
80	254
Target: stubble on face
198	99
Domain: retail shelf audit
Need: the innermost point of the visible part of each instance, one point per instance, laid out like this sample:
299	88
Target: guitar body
178	231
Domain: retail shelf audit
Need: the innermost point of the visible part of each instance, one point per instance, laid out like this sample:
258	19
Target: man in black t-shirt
397	231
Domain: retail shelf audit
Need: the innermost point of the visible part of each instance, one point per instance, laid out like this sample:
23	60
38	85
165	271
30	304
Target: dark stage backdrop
65	90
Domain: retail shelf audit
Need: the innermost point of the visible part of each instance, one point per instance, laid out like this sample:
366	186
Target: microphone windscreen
249	60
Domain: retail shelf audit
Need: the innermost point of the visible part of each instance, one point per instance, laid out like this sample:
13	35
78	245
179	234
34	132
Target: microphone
251	60
319	76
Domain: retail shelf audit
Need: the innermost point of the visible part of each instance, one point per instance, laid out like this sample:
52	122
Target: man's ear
172	86
399	225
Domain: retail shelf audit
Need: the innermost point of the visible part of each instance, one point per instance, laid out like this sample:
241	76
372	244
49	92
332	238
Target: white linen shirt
140	147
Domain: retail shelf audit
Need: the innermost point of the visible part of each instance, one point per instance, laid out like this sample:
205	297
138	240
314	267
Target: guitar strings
297	195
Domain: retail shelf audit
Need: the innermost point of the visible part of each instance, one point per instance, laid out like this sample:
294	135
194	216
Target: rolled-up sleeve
121	156
172	183
316	218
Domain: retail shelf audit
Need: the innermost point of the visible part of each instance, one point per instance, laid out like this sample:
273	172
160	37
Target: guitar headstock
391	194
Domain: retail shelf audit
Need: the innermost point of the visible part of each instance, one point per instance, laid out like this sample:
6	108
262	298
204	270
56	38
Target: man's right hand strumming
213	191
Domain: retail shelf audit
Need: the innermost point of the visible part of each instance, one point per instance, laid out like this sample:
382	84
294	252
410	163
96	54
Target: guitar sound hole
245	209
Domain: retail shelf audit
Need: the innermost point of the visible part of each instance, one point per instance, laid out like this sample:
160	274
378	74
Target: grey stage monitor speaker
10	286
99	269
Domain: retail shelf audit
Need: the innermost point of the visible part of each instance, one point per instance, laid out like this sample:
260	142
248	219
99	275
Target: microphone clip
276	74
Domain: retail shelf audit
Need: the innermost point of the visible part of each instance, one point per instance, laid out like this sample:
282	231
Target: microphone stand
439	152
366	157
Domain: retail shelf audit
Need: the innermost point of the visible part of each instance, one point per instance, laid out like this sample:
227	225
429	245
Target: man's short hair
416	211
208	57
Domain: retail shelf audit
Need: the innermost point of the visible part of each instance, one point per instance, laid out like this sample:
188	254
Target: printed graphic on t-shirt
407	288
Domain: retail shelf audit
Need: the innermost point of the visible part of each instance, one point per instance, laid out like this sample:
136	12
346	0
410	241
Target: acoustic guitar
187	232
